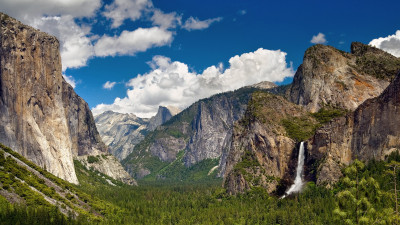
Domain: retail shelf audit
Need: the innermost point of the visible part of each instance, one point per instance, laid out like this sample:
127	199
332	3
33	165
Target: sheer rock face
335	78
211	128
121	132
41	117
261	150
372	131
82	128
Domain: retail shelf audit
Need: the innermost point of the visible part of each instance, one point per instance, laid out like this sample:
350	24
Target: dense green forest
363	196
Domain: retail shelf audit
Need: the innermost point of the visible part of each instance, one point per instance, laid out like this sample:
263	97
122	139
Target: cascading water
298	181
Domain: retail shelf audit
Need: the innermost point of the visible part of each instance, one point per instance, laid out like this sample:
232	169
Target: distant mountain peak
264	85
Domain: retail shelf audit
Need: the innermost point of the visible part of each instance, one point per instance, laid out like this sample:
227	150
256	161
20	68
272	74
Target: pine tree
394	166
354	202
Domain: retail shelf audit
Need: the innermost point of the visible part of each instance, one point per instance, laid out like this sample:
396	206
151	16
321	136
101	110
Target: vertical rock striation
372	131
41	117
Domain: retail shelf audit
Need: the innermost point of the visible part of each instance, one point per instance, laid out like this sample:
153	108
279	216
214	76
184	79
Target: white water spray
298	181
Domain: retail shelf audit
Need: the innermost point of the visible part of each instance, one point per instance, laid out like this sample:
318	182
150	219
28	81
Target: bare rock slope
330	77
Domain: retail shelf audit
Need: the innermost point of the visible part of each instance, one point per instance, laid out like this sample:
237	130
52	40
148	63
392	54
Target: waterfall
298	182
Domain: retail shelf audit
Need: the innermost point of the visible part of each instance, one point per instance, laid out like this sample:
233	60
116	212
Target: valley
324	149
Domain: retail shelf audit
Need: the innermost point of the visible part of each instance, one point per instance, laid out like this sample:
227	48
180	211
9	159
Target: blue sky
186	50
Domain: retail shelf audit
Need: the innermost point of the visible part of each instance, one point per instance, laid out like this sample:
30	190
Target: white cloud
318	39
75	44
70	80
59	18
172	83
166	20
389	44
109	85
196	24
131	42
26	10
120	10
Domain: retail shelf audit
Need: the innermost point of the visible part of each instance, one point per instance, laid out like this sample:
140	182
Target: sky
131	56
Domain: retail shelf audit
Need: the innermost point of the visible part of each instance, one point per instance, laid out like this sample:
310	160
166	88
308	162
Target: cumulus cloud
166	20
109	85
172	83
36	9
120	10
64	19
318	39
196	24
131	42
75	44
389	44
70	80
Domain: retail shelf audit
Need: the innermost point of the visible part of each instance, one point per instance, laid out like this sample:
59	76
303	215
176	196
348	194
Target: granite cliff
41	117
330	77
372	131
263	147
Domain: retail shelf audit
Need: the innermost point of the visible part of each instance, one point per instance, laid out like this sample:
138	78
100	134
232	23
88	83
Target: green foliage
326	114
92	159
177	171
19	179
356	202
363	193
299	128
248	167
382	66
34	215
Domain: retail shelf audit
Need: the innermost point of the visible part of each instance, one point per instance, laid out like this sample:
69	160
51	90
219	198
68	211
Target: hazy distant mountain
122	131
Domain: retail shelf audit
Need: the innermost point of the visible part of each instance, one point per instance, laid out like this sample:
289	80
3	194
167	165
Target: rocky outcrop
162	116
372	131
41	117
330	77
121	132
265	85
108	165
263	152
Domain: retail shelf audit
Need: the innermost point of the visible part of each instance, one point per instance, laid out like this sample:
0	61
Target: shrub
92	159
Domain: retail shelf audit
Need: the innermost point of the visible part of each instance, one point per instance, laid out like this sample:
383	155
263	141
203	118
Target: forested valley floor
364	196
